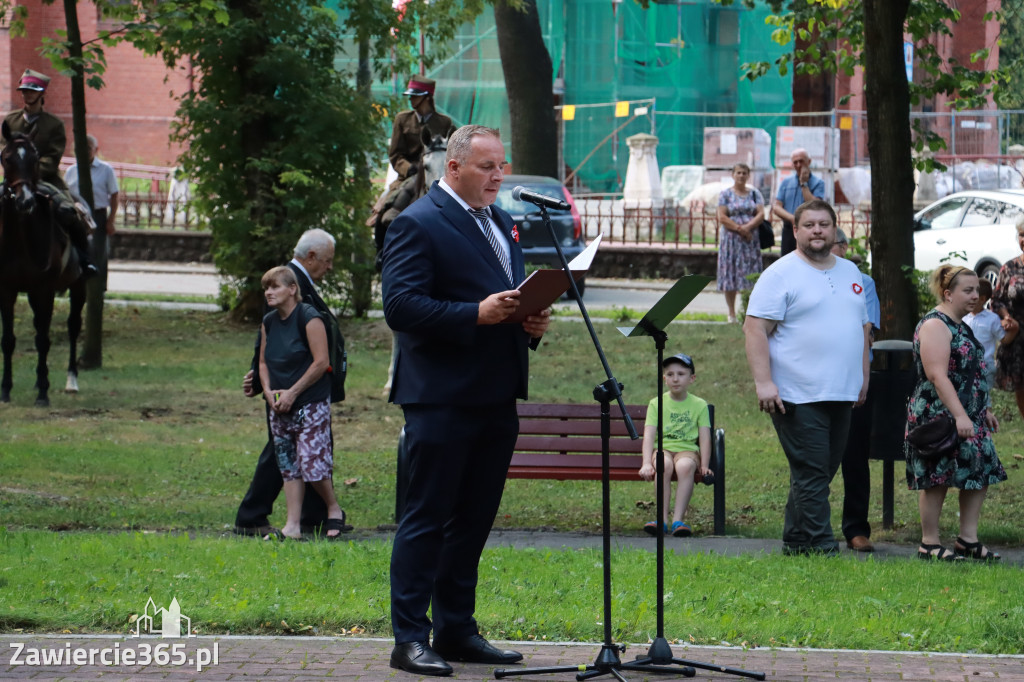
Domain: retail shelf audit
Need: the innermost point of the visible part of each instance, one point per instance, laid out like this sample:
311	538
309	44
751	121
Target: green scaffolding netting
684	55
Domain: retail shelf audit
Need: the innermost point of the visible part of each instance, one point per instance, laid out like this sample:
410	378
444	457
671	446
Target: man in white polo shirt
807	345
105	192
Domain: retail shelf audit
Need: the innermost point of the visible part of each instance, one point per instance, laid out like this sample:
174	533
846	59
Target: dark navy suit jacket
437	267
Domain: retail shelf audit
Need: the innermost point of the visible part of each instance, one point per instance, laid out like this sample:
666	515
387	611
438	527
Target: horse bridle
11	188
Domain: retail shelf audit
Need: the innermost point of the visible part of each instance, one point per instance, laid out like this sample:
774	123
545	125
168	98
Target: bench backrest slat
573	445
559	427
582	411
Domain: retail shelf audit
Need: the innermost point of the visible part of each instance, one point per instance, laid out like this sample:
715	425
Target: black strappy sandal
974	550
936	553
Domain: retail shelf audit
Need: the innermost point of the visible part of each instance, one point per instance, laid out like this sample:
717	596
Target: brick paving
297	659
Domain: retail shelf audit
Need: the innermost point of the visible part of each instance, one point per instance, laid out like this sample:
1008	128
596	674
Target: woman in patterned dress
740	211
293	373
951	380
1008	304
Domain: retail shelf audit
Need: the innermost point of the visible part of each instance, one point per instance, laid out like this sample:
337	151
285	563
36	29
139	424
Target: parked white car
976	225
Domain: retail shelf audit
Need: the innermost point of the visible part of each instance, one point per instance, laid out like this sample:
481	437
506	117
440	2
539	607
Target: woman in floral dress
1008	304
740	212
951	380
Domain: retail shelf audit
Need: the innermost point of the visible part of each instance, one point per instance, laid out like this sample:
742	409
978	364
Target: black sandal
338	525
936	553
974	550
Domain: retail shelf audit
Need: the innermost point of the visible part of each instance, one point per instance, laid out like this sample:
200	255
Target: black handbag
935	439
766	234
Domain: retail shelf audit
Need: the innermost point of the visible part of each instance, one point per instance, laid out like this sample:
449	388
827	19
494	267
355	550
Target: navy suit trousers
458	460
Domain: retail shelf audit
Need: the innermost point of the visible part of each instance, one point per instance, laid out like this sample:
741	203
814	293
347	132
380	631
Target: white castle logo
170	621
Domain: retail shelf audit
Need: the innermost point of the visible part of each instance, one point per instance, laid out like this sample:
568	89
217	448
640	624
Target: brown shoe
860	543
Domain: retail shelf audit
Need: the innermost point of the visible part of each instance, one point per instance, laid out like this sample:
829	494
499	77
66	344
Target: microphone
520	193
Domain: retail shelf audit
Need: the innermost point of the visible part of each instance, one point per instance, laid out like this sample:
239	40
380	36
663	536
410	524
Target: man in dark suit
313	257
449	280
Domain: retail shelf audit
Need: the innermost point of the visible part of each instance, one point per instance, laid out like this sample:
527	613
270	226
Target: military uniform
49	137
47	133
406	148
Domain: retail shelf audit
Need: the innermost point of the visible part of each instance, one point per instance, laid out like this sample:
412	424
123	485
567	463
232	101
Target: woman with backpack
294	360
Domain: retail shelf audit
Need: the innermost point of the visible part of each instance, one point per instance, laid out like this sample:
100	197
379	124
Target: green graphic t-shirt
681	421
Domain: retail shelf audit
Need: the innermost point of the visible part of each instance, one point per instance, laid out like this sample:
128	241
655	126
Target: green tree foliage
833	36
277	140
841	35
1011	52
272	133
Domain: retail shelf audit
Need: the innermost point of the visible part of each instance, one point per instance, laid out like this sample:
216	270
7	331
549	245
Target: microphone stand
608	661
659	655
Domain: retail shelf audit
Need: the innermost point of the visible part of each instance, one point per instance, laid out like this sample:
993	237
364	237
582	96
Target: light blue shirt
873	305
104	182
792	196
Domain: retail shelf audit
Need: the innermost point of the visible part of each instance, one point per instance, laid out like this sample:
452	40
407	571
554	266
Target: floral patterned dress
738	258
976	465
1009	295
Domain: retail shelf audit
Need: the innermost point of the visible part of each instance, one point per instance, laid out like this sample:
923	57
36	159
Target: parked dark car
533	235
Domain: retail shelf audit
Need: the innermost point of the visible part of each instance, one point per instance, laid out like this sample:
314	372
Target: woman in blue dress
951	380
740	212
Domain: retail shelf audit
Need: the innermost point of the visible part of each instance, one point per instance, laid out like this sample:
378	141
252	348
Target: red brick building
131	116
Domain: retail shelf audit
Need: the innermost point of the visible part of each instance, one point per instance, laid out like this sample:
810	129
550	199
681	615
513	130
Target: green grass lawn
161	438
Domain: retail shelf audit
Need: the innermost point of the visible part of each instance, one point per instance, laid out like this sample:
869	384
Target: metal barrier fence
672	225
144	211
150	197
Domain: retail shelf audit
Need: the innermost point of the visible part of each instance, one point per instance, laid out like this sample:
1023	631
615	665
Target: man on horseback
406	147
47	134
405	152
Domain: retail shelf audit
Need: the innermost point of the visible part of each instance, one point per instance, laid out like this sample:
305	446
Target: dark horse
432	163
35	257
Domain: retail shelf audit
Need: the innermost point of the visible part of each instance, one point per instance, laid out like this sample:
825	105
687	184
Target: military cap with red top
419	86
33	80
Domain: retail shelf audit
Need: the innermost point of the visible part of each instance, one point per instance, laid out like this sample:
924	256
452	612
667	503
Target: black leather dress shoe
419	658
475	649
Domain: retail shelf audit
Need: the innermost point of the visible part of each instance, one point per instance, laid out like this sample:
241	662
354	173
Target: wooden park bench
563	443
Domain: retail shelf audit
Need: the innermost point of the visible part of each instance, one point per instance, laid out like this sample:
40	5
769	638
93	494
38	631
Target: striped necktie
483	217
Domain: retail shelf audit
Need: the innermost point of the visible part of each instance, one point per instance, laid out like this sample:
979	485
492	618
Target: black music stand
608	661
654	324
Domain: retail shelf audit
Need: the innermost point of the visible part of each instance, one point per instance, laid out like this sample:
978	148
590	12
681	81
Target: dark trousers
458	458
258	503
788	238
813	436
857	473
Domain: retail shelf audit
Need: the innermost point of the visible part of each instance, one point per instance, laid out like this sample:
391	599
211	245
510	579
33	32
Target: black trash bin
892	381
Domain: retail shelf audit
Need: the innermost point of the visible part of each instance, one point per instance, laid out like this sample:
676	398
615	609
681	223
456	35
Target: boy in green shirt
686	428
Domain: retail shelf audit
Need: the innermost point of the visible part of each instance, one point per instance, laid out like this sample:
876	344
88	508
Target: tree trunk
528	76
254	137
363	271
887	96
92	343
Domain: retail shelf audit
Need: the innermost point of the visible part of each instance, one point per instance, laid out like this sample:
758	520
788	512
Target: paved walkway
199	279
321	658
705	544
